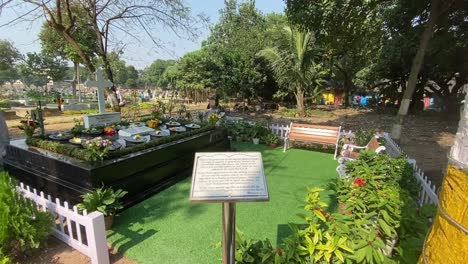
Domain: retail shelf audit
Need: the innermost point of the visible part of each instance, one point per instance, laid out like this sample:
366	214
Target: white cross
100	84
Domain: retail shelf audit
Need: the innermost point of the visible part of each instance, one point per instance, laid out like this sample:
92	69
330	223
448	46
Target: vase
255	141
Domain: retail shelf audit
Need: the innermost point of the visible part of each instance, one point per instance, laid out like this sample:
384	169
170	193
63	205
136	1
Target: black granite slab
141	173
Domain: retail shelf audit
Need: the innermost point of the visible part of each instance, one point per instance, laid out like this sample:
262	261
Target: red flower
359	182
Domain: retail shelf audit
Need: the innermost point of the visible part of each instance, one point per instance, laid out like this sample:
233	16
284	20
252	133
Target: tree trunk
75	78
300	101
415	68
347	88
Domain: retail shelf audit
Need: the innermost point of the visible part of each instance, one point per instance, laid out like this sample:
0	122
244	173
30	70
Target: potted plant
272	140
104	200
257	131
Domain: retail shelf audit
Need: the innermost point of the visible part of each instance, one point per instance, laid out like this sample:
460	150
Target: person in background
59	102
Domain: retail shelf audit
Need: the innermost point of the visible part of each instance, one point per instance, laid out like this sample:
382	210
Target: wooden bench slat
312	133
316	139
308	133
316	126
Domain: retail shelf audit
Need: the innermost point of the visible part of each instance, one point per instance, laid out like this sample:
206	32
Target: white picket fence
84	232
428	192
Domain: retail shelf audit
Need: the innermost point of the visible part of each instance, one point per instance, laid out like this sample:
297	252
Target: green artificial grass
167	228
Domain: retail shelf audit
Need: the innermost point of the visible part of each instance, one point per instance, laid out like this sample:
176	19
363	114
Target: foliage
362	137
339	27
9	55
104	200
405	22
255	251
39	68
22	226
54	44
378	220
98	148
152	75
259	129
271	139
295	65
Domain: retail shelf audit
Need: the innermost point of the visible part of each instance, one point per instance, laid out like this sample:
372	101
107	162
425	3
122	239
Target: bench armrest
351	147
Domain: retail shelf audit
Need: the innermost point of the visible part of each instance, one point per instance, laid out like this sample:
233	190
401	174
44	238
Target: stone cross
100	84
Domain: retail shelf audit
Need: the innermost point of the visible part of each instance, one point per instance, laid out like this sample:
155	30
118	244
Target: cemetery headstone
228	177
102	118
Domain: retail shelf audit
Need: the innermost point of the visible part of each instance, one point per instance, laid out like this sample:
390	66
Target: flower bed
87	154
376	220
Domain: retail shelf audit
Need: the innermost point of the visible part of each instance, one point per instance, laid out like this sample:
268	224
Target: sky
137	53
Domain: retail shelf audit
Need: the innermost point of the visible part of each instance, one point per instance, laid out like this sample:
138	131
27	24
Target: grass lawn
167	228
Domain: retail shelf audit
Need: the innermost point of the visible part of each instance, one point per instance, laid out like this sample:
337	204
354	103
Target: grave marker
102	118
228	177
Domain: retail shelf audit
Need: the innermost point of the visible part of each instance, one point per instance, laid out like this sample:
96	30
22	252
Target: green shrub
377	221
255	251
22	226
104	200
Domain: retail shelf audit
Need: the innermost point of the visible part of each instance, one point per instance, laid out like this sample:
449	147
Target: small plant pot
256	141
108	221
273	145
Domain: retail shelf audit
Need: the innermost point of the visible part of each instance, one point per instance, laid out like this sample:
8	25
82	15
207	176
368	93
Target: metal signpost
228	177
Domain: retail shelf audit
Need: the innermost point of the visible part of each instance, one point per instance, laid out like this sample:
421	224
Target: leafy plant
104	200
78	127
255	251
271	139
97	148
362	137
22	226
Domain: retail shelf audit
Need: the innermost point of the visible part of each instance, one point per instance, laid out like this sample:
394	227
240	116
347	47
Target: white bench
307	133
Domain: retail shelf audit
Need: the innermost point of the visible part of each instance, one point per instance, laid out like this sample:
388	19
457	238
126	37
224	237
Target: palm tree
293	64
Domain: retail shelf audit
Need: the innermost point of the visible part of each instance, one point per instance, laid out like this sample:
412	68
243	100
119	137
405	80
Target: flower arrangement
213	118
28	126
110	130
98	148
153	123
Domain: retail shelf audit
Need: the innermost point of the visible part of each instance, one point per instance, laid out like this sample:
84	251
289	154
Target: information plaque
228	177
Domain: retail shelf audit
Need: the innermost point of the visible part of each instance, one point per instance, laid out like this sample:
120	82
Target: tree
55	44
349	31
233	45
152	75
132	18
415	68
295	65
39	68
9	55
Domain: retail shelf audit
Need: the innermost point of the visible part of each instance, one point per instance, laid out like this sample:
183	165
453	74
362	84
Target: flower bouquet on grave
213	119
98	148
153	123
28	125
110	130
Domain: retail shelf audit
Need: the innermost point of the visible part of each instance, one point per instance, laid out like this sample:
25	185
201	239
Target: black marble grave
141	173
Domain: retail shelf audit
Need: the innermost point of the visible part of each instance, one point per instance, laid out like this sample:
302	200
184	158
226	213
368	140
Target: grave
141	173
133	131
102	118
